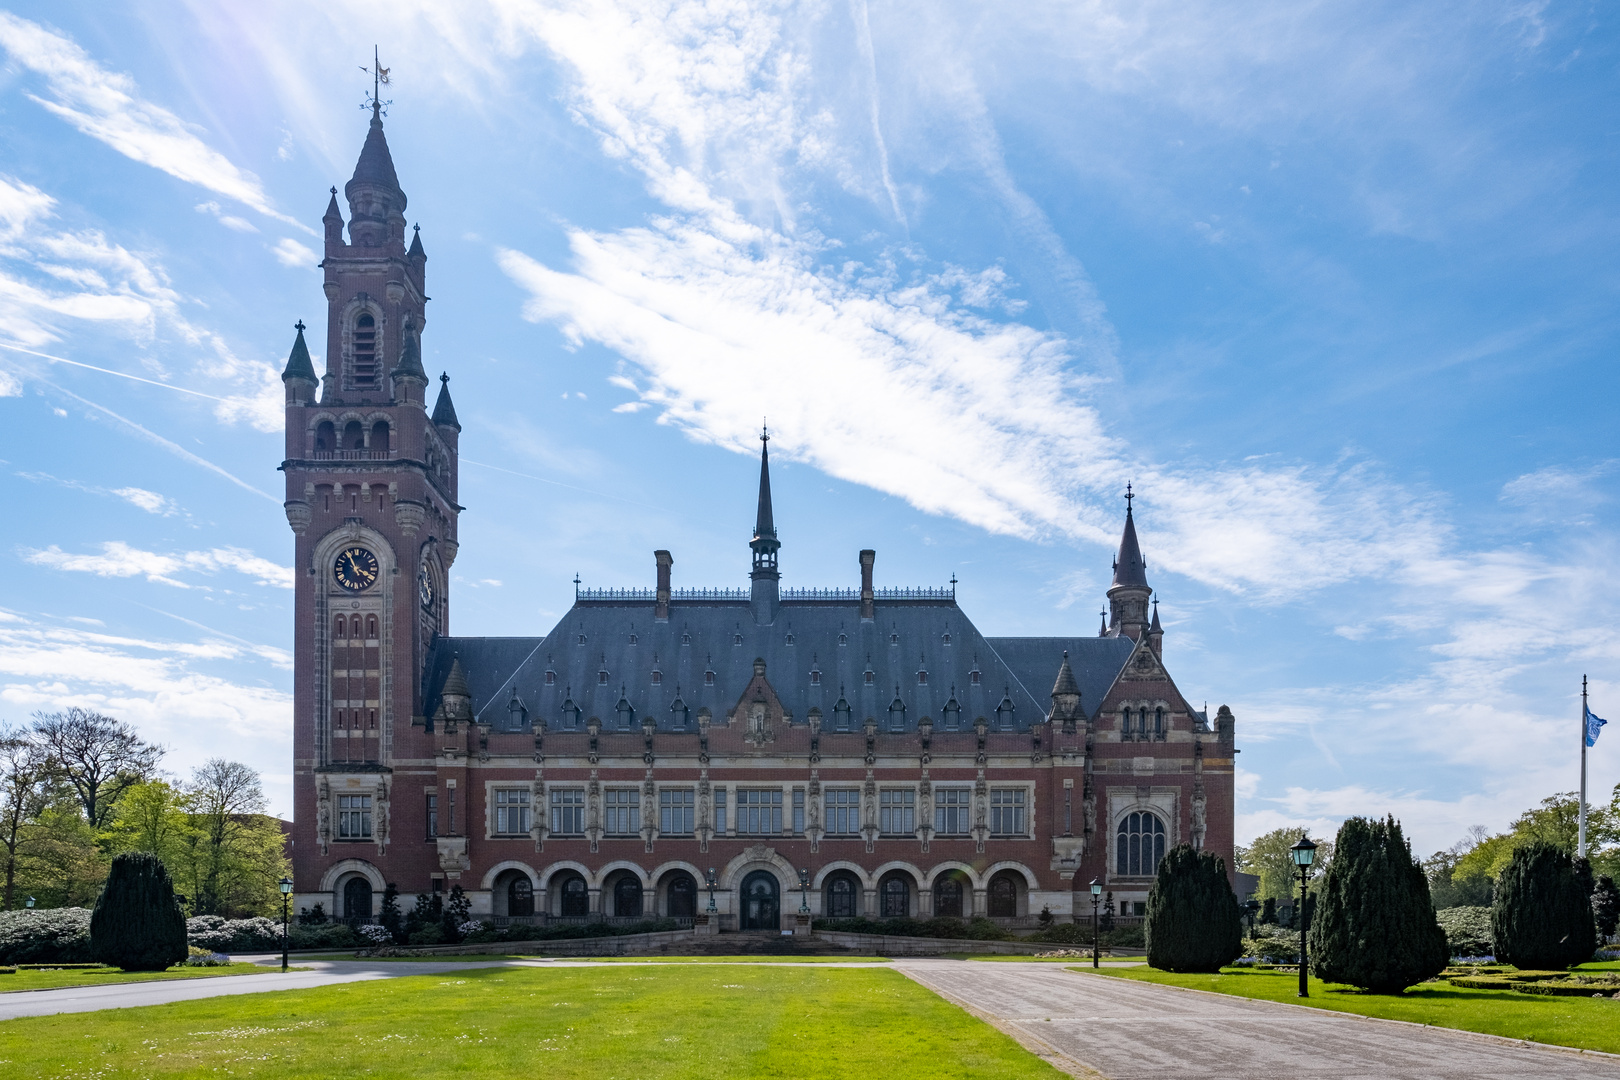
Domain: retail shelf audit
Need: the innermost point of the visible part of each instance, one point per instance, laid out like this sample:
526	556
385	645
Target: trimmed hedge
54	935
1193	921
1542	916
137	924
938	927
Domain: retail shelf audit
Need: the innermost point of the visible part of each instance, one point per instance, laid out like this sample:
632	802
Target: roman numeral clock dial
355	569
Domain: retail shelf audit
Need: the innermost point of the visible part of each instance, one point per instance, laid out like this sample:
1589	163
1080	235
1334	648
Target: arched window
1139	844
520	896
682	896
357	900
354	436
1004	714
364	367
895	898
379	436
1003	897
841	897
948	896
1158	723
841	713
325	437
576	898
340	629
627	897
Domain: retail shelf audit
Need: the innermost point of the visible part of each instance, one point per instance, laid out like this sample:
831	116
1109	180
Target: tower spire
1129	593
765	578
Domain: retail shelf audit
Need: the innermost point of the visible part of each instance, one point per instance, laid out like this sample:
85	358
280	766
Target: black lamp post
1304	855
711	882
1096	898
1249	910
286	918
804	891
29	903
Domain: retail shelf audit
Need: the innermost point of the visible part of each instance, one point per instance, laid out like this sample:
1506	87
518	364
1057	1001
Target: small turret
333	220
410	380
765	579
376	203
417	251
1128	596
1156	632
299	374
1066	697
444	410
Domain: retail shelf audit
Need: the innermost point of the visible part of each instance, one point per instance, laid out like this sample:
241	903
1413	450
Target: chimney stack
868	556
661	599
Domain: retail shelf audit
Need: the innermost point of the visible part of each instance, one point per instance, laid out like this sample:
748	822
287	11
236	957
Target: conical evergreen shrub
1542	915
138	924
1373	923
1193	919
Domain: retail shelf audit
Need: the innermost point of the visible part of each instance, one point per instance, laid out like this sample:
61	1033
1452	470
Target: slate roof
605	652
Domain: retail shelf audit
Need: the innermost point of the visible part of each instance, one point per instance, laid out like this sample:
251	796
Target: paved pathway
1126	1029
125	995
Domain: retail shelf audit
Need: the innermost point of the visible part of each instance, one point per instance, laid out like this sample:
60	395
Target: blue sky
1332	284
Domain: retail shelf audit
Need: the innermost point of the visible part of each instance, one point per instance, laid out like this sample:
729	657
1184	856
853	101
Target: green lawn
1587	1023
52	979
751	959
602	1023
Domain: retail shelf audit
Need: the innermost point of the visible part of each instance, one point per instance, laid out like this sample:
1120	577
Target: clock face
424	587
355	569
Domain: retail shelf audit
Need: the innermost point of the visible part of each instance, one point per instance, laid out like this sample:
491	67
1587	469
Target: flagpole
1580	843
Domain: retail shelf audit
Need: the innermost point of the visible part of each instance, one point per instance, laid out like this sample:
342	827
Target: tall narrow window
354	817
621	809
1158	723
719	811
675	808
1007	811
364	369
843	811
568	811
512	811
1138	844
798	811
897	811
952	810
432	815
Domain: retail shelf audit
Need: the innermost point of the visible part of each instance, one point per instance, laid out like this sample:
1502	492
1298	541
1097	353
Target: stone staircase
750	943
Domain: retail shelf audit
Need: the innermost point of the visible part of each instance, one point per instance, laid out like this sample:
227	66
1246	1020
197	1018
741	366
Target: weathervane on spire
1128	496
379	79
764	431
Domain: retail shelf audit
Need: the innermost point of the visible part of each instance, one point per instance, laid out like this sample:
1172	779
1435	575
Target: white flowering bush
233	935
471	926
207	959
376	935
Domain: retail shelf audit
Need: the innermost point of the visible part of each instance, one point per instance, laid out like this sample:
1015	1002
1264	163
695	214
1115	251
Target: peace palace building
871	740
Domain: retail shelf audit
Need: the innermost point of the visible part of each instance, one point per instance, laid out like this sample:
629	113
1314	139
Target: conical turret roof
1129	567
444	410
376	164
298	362
416	251
1065	679
410	360
764	521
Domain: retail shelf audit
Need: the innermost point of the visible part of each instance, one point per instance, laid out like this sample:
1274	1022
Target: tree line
78	788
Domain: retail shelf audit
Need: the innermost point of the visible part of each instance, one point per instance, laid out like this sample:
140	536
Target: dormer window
708	677
922	678
551	677
1004	714
736	639
869	676
815	678
627	714
841	714
570	714
843	639
947	639
602	677
657	677
953	715
632	639
975	677
582	639
790	639
894	639
686	639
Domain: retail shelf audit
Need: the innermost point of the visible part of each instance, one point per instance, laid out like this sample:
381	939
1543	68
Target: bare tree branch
98	755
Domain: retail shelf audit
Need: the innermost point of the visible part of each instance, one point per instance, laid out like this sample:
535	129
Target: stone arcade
871	739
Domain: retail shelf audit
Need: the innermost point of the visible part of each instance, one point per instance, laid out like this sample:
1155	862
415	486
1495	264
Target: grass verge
1586	1023
54	979
678	1021
748	959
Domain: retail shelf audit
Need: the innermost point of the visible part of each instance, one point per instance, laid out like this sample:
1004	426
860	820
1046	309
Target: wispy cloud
117	559
291	253
108	106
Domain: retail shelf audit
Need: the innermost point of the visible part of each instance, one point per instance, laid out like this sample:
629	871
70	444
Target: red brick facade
590	770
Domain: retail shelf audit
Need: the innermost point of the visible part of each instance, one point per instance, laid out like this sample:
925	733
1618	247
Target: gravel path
1124	1030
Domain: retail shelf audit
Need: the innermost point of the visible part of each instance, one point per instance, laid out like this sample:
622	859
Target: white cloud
291	253
230	221
10	385
150	501
119	560
108	106
163	687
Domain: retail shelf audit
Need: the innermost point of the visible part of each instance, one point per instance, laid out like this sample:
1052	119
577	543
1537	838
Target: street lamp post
286	918
1249	910
804	891
711	882
1096	898
1304	854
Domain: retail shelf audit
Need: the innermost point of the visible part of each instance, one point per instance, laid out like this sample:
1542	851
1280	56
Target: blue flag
1594	722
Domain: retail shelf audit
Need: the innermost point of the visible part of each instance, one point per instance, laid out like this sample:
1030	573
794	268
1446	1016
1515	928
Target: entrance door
682	897
760	903
948	896
357	899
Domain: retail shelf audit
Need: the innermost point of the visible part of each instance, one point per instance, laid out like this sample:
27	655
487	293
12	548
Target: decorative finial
764	431
415	228
444	377
334	190
1065	656
1128	496
299	326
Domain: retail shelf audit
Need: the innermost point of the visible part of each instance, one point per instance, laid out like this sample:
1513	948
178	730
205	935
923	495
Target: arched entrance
574	897
1003	898
894	897
627	897
843	896
761	902
682	895
357	899
950	892
520	896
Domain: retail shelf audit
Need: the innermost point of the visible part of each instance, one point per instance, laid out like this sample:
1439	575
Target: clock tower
371	499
